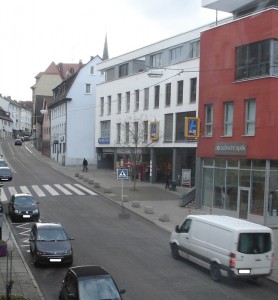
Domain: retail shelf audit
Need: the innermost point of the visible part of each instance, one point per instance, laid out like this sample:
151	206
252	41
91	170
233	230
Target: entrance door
244	202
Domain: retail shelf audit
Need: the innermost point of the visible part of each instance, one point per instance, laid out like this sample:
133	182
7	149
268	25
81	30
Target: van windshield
254	243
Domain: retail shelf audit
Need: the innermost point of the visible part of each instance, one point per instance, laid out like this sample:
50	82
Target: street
135	251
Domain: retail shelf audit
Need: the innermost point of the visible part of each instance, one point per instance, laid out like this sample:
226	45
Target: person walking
167	181
85	165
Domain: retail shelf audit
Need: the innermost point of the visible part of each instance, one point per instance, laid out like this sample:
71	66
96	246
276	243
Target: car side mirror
122	291
71	239
177	228
72	296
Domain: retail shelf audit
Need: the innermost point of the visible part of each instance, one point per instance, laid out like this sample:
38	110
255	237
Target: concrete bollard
86	179
135	204
164	218
148	210
125	198
107	189
97	185
80	176
76	174
91	181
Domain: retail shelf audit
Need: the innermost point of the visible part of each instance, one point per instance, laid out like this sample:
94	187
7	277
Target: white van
226	246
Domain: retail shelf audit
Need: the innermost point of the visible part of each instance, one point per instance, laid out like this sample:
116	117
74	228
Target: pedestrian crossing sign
122	173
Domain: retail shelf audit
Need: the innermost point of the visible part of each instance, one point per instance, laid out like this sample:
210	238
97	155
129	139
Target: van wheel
215	273
175	251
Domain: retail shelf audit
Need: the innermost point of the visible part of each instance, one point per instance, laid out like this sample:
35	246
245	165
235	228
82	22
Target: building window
254	59
193	90
208	119
88	88
145	137
175	54
110	74
228	118
168	94
168	130
119	103
156	60
118	133
156	96
180	92
136	100
250	116
180	124
101	106
135	133
123	70
109	103
195	49
146	98
105	129
127	132
92	70
127	108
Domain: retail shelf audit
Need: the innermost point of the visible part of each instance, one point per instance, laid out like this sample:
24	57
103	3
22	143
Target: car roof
86	270
5	168
22	194
48	225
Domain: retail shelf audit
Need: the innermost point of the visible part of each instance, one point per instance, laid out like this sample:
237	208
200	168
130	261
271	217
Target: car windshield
22	201
5	171
98	288
54	234
3	163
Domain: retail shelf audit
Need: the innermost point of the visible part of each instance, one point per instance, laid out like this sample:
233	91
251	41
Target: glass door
244	202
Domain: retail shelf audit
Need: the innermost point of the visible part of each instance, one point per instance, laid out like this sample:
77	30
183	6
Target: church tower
105	55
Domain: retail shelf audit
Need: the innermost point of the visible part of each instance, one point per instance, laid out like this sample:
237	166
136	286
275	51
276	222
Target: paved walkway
151	201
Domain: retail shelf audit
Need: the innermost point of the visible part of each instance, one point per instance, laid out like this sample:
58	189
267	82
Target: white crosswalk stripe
46	189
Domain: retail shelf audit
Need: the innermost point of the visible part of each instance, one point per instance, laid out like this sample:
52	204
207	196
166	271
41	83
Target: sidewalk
151	201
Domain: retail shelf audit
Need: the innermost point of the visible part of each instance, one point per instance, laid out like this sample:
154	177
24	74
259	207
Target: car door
32	239
11	205
184	238
70	287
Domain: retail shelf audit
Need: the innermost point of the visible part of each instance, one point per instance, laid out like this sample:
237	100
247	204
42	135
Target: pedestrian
167	181
85	165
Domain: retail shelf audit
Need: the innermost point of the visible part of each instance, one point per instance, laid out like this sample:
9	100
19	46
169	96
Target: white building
152	89
72	113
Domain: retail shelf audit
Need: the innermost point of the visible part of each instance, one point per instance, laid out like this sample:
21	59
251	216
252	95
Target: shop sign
154	131
104	140
234	149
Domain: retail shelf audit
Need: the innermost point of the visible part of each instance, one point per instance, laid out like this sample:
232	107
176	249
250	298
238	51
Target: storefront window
207	187
219	188
259	164
208	161
220	163
231	189
273	193
232	163
244	178
257	195
245	164
274	165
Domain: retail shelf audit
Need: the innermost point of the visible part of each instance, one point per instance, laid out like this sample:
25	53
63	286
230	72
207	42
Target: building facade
237	157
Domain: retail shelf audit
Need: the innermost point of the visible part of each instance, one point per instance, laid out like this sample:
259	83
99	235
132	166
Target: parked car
18	142
3	163
6	174
89	282
49	243
23	207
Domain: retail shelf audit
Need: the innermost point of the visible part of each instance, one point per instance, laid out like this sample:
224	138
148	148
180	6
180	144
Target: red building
237	154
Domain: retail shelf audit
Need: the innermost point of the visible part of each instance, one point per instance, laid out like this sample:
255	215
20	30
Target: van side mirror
177	228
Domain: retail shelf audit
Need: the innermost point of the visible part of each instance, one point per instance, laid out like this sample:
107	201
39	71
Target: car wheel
215	273
175	251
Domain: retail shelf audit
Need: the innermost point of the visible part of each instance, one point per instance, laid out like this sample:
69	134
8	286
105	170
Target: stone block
91	181
107	189
76	174
135	204
97	185
80	176
164	218
148	210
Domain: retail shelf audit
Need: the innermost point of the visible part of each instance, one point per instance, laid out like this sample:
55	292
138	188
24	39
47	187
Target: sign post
123	175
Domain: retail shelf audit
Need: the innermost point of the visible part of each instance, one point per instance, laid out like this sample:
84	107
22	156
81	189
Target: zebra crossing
46	190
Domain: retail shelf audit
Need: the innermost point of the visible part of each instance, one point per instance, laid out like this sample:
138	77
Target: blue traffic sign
122	173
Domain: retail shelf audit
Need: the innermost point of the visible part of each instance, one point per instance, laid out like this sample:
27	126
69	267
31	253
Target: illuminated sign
154	131
192	127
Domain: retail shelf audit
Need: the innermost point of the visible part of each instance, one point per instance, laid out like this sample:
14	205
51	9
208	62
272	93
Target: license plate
26	216
244	271
55	260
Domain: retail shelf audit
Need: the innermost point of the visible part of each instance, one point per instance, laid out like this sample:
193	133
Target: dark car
18	142
49	244
23	207
6	174
89	282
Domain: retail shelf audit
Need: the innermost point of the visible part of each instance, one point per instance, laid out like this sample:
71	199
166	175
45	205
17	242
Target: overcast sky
33	33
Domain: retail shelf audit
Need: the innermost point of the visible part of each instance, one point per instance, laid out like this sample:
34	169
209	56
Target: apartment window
175	54
135	133
110	74
92	70
168	130
146	98
118	133
195	49
208	119
193	90
119	103
101	106
109	103
180	92
88	88
156	96
145	137
168	94
127	95
136	100
228	118
254	59
250	116
156	60
123	70
105	129
127	132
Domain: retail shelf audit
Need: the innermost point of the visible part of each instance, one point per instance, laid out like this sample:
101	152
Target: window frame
228	118
250	117
208	120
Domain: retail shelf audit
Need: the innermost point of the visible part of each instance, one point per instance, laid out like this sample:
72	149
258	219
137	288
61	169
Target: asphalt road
135	251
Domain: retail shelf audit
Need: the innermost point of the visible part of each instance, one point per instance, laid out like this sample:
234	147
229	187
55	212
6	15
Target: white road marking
38	191
62	189
50	190
78	192
85	189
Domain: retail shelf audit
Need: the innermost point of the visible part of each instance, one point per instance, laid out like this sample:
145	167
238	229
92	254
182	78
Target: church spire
105	55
